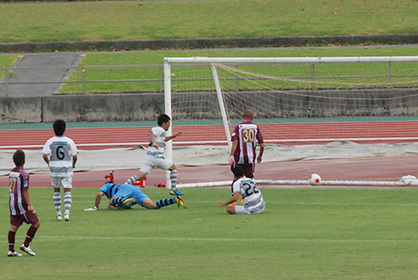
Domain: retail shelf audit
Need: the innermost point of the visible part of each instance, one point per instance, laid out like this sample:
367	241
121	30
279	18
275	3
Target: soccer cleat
13	254
129	201
27	250
67	217
59	217
180	202
175	192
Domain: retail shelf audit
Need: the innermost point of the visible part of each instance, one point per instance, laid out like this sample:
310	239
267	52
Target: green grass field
6	61
132	20
303	234
157	58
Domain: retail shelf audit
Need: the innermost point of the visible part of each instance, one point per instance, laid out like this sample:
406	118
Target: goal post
221	88
168	109
221	105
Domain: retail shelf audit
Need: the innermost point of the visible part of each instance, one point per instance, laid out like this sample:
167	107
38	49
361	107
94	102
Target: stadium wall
146	106
256	42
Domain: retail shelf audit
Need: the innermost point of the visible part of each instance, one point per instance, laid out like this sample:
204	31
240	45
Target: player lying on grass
124	196
253	199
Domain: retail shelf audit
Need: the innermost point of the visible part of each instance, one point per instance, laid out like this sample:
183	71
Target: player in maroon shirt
21	209
244	138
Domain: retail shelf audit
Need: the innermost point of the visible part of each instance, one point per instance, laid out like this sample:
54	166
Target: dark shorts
29	218
248	169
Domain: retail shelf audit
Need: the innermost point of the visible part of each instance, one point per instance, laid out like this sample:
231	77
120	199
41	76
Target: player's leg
237	209
14	226
167	164
56	184
231	209
145	169
141	175
149	204
173	180
119	201
125	196
68	199
31	218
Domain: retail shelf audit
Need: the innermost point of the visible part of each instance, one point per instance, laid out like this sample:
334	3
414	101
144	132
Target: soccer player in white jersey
244	138
253	199
155	157
60	153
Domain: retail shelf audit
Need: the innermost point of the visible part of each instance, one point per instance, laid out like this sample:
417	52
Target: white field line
198	239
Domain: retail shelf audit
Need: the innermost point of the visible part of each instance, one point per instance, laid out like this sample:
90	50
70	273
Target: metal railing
11	74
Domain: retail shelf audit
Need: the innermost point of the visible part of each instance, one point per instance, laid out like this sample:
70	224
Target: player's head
19	158
248	115
238	171
163	118
59	127
164	121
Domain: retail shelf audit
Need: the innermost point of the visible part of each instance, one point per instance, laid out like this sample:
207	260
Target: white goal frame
211	61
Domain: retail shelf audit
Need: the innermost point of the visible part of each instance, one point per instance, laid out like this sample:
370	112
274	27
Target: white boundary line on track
178	143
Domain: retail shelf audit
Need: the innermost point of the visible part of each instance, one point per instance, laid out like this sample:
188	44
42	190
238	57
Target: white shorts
65	182
242	209
152	162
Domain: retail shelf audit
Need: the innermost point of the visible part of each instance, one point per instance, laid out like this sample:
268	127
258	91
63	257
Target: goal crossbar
290	60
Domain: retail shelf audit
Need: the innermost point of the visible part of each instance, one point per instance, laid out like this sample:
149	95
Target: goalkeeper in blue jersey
124	196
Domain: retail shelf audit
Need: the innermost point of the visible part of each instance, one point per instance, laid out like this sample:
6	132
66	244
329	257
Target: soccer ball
315	180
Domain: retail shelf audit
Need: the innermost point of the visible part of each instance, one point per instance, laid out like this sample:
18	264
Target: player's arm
97	202
260	154
233	149
27	199
233	198
168	138
46	158
151	137
98	199
74	160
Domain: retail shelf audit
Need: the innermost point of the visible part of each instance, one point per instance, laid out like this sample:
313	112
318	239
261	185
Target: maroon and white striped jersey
18	181
247	134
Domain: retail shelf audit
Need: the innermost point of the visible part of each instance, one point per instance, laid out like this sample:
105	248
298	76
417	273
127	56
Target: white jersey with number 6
60	149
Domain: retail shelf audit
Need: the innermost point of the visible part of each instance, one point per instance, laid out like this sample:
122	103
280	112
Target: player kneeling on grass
253	199
124	196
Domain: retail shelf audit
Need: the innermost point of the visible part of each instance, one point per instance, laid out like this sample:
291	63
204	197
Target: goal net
210	95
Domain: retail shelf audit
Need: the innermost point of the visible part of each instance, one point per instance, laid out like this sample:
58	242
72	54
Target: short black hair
59	127
163	118
19	158
238	171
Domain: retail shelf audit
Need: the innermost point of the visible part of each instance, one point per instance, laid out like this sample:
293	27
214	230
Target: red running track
286	134
391	169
